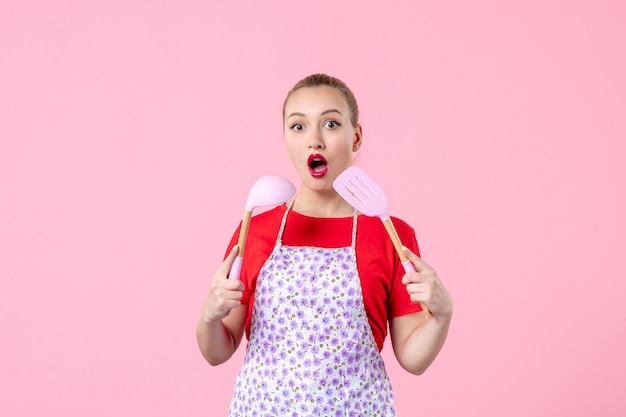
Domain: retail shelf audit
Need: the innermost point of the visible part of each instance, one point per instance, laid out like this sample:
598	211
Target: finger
225	289
219	308
228	262
422	284
419	263
412	277
426	276
221	284
227	294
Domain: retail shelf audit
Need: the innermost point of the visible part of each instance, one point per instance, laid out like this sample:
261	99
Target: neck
317	204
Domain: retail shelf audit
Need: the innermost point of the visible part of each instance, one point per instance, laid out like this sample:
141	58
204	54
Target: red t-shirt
379	266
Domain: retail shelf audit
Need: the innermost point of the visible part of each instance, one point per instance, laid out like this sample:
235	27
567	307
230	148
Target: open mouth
318	167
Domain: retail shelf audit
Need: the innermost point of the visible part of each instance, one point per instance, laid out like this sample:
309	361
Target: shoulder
375	231
376	225
402	227
269	216
401	224
265	225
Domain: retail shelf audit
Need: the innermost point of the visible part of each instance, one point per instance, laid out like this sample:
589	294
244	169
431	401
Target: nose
316	140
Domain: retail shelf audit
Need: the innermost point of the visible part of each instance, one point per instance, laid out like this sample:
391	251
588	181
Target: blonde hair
321	80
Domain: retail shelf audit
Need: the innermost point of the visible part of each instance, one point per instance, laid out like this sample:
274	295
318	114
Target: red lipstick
318	166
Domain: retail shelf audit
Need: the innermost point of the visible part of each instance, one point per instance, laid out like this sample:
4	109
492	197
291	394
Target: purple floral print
311	351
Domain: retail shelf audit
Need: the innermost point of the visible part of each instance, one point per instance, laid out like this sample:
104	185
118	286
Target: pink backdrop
131	132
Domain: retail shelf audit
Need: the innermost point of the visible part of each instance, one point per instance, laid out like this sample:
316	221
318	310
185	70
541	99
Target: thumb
418	262
228	261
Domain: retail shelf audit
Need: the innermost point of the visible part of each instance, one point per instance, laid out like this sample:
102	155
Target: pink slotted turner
362	192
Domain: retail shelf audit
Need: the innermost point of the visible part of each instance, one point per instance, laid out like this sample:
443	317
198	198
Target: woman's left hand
425	287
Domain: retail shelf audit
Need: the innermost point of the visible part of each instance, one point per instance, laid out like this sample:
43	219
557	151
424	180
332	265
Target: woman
320	282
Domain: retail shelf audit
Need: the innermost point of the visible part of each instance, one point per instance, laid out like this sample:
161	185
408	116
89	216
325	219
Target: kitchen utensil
268	190
362	192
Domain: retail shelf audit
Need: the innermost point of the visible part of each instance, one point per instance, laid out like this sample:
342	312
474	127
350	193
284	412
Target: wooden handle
243	232
393	234
395	239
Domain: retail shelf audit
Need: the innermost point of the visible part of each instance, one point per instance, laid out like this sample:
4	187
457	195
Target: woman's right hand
224	294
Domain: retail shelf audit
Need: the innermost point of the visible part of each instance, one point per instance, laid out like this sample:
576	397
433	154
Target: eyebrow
325	112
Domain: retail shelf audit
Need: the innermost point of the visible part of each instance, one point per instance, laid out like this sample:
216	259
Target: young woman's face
319	136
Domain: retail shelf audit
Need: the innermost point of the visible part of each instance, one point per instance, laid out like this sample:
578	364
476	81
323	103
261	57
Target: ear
358	138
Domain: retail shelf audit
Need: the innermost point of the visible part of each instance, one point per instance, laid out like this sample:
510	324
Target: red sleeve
381	272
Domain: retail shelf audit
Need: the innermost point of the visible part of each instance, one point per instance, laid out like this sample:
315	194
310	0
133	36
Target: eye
297	127
331	124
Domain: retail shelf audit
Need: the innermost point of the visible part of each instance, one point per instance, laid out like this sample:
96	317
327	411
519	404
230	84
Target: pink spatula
358	189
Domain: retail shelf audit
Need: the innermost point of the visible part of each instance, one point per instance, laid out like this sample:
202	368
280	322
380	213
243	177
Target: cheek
344	146
291	152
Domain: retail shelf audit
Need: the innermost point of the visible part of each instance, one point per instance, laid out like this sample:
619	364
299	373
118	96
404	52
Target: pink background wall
131	132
